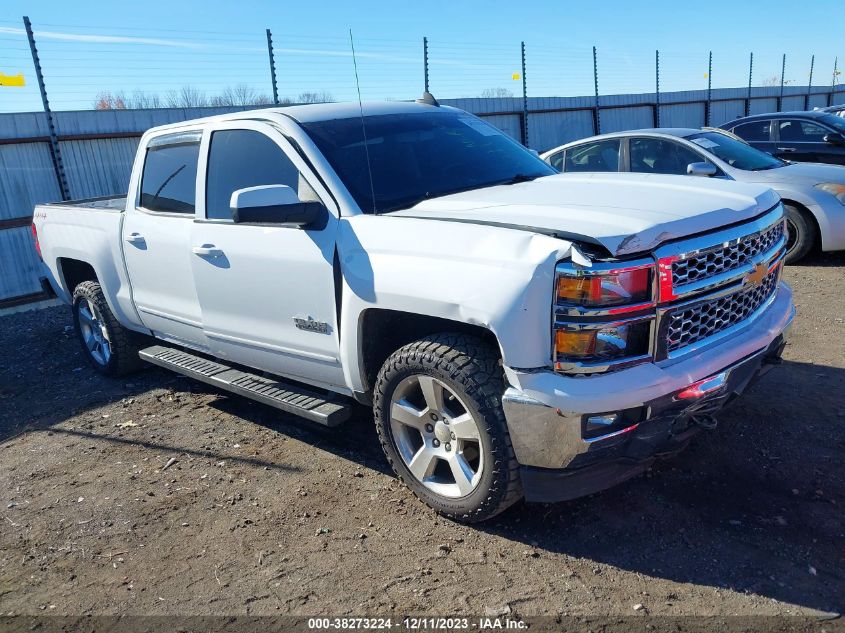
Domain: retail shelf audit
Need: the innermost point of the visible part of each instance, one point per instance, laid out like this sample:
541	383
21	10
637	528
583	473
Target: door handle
135	238
786	149
207	250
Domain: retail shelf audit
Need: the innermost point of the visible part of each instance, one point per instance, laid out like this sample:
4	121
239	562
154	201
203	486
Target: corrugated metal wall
100	166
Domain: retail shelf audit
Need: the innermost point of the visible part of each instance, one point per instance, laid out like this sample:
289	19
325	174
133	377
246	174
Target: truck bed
106	203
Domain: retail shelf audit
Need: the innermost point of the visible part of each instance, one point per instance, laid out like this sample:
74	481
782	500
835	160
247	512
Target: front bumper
560	461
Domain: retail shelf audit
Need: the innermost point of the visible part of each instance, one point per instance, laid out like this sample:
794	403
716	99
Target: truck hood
799	174
624	213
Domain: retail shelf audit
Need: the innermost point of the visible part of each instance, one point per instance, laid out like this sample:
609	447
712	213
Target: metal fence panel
761	106
620	119
550	129
723	111
98	167
19	264
508	123
682	115
27	178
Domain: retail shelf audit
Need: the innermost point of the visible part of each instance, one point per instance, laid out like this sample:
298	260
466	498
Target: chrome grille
706	318
725	257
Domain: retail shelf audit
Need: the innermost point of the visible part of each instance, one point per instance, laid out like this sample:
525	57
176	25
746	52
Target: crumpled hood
799	173
625	213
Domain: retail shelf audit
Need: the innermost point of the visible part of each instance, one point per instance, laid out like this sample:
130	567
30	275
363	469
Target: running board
288	397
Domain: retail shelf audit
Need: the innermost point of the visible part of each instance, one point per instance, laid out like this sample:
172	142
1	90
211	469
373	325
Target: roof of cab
317	112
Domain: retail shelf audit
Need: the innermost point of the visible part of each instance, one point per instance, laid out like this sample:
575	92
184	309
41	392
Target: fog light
595	422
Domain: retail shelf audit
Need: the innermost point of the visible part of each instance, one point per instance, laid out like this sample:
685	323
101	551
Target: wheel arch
73	272
382	331
811	216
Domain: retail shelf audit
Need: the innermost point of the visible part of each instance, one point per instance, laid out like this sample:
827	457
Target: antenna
363	127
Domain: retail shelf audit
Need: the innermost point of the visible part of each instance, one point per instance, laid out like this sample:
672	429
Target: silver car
813	194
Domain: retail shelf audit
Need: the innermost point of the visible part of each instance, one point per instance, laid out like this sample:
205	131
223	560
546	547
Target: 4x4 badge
756	276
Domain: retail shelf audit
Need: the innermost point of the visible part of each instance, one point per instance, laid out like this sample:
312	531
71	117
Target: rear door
267	292
156	239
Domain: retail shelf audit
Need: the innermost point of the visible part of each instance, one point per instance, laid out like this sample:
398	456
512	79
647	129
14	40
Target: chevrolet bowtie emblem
756	276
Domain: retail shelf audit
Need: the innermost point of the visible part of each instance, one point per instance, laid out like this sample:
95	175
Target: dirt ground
264	514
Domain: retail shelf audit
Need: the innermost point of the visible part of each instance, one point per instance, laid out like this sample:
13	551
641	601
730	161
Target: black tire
471	369
123	344
801	234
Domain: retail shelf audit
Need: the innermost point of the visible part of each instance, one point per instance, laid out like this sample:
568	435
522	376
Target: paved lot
262	514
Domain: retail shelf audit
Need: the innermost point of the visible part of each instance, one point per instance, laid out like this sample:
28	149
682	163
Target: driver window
658	156
245	158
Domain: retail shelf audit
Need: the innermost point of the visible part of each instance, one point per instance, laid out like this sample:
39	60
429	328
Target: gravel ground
263	514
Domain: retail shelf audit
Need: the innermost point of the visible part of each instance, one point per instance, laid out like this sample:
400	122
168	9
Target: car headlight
834	189
603	315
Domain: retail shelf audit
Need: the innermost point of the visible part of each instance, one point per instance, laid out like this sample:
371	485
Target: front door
267	292
157	238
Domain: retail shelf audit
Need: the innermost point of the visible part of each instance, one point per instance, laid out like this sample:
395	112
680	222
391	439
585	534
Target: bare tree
774	80
314	97
493	93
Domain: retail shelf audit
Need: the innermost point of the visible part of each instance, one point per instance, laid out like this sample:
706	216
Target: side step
288	397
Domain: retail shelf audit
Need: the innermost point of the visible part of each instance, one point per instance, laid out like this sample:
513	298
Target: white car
517	333
813	193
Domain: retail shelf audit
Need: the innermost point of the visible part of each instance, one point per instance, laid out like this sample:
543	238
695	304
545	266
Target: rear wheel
439	417
109	347
800	234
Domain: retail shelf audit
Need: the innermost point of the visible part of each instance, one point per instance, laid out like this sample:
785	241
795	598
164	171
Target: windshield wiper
518	178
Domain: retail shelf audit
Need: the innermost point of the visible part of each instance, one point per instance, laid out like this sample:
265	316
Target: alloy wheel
436	436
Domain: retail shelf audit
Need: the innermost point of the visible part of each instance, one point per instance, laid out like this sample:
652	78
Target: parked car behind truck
518	334
813	195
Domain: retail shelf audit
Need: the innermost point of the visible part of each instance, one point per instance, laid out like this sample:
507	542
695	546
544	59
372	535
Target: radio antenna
363	127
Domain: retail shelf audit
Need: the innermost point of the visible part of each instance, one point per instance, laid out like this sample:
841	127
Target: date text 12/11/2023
425	623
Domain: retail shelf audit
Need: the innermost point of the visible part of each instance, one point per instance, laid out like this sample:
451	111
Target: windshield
735	153
834	121
419	156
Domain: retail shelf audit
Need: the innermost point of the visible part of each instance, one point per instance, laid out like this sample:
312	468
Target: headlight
603	315
834	189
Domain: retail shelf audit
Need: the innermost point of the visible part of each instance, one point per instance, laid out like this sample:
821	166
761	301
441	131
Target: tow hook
706	421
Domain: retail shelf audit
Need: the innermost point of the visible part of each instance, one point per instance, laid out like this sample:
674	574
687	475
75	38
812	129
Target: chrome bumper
553	437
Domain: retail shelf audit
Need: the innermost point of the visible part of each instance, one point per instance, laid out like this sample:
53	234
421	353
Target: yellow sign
516	77
12	80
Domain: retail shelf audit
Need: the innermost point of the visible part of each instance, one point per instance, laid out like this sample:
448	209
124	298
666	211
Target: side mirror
834	138
705	170
274	204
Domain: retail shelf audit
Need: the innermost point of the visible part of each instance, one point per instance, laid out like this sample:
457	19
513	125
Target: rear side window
245	158
754	131
597	156
169	180
556	160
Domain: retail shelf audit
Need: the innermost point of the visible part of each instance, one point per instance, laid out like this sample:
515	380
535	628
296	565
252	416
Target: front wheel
800	234
439	417
109	347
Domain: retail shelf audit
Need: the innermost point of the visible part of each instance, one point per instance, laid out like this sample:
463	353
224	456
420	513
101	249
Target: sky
160	47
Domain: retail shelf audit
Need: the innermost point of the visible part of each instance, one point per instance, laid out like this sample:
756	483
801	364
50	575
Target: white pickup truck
518	333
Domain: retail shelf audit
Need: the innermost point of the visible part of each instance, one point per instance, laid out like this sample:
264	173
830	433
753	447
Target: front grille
706	318
725	257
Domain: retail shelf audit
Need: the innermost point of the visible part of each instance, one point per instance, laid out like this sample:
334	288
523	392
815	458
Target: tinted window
596	156
244	158
796	131
754	131
556	160
416	156
169	180
735	153
658	156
